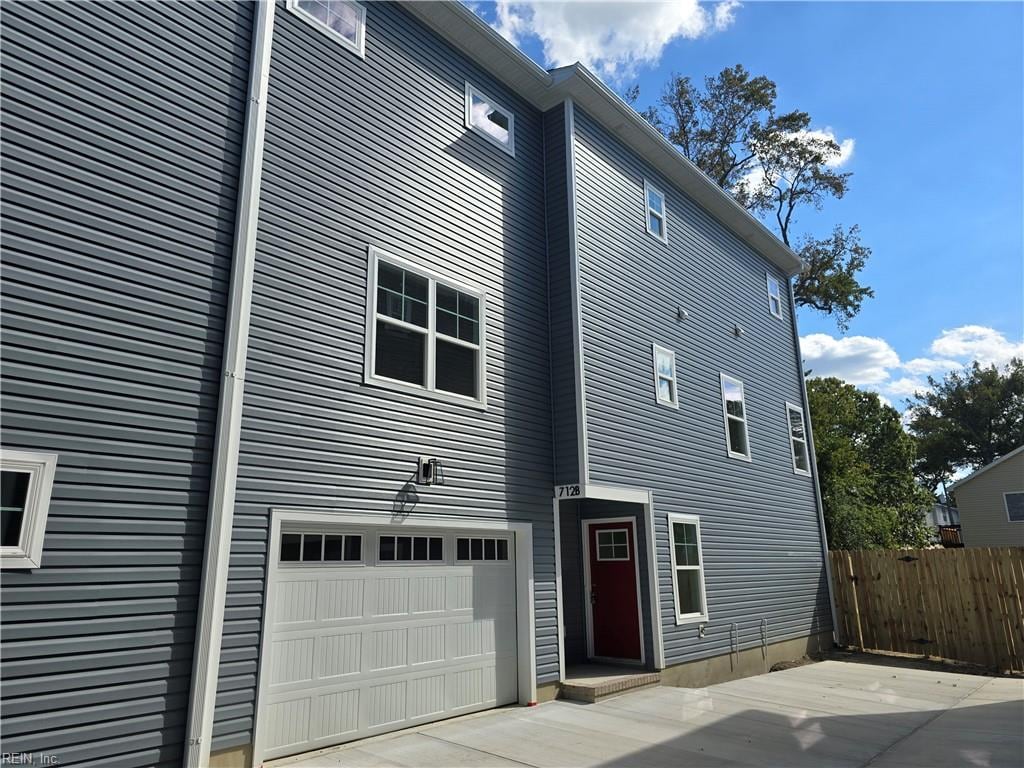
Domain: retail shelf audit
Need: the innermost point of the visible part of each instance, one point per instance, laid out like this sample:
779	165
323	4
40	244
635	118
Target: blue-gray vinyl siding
374	151
121	129
560	297
759	524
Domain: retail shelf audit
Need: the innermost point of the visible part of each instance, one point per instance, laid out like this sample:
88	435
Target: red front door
613	590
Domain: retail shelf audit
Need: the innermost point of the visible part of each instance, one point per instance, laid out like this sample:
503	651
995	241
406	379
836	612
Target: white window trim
790	407
358	48
612	559
674	402
748	456
663	214
1006	505
472	90
768	277
370	377
41	468
687	618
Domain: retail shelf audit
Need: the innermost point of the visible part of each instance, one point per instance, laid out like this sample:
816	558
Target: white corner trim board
224	472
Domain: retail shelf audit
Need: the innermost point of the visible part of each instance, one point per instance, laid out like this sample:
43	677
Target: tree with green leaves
968	419
865	463
775	165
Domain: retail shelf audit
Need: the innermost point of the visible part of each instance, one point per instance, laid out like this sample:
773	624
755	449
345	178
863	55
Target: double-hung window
657	221
342	20
665	377
774	296
424	332
687	569
491	120
798	439
734	410
26	481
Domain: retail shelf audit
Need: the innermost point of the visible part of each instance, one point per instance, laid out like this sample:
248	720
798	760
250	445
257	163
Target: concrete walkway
827	714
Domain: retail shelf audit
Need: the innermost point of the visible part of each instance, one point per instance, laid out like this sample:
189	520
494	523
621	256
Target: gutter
224	474
814	467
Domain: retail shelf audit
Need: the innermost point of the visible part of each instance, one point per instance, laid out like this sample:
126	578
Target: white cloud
827	134
755	177
873	364
859	360
725	14
976	342
928	366
612	38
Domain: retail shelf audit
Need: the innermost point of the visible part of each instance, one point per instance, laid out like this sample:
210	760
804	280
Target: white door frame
525	626
643	497
585	531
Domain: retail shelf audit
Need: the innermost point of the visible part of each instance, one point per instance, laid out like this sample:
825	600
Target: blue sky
932	97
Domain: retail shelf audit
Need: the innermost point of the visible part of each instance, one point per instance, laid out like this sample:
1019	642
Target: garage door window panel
410	549
307	548
471	549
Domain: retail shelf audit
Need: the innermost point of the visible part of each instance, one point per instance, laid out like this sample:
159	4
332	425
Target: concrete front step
590	684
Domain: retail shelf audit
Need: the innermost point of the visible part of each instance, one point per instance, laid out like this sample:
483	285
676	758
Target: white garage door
376	629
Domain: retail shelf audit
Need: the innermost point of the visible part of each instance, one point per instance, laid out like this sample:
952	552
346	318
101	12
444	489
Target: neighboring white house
991	503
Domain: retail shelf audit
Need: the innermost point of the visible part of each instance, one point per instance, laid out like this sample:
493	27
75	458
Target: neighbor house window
735	411
1014	503
687	569
26	481
491	120
424	332
775	296
342	20
665	377
798	440
656	219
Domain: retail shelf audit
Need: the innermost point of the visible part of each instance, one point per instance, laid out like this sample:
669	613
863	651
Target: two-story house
357	373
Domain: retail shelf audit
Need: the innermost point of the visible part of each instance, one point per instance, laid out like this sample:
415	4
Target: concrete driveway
827	714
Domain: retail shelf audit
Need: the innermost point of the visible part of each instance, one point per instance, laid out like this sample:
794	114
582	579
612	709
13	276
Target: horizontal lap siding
759	523
121	134
560	292
374	152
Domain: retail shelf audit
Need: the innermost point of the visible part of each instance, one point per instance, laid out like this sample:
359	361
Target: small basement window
775	296
491	120
1014	503
798	440
410	549
657	223
321	548
342	20
26	482
687	568
735	411
665	377
469	549
425	333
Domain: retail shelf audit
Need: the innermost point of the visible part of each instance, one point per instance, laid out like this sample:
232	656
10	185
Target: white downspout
814	464
224	474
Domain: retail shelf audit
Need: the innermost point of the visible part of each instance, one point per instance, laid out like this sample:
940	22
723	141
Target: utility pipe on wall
224	473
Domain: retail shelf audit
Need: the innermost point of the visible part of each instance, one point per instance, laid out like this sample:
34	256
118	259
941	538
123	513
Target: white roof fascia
986	468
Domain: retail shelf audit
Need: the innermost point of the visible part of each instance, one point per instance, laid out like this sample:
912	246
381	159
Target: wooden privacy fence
960	604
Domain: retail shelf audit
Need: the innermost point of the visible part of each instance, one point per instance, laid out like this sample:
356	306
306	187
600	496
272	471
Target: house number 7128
565	491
